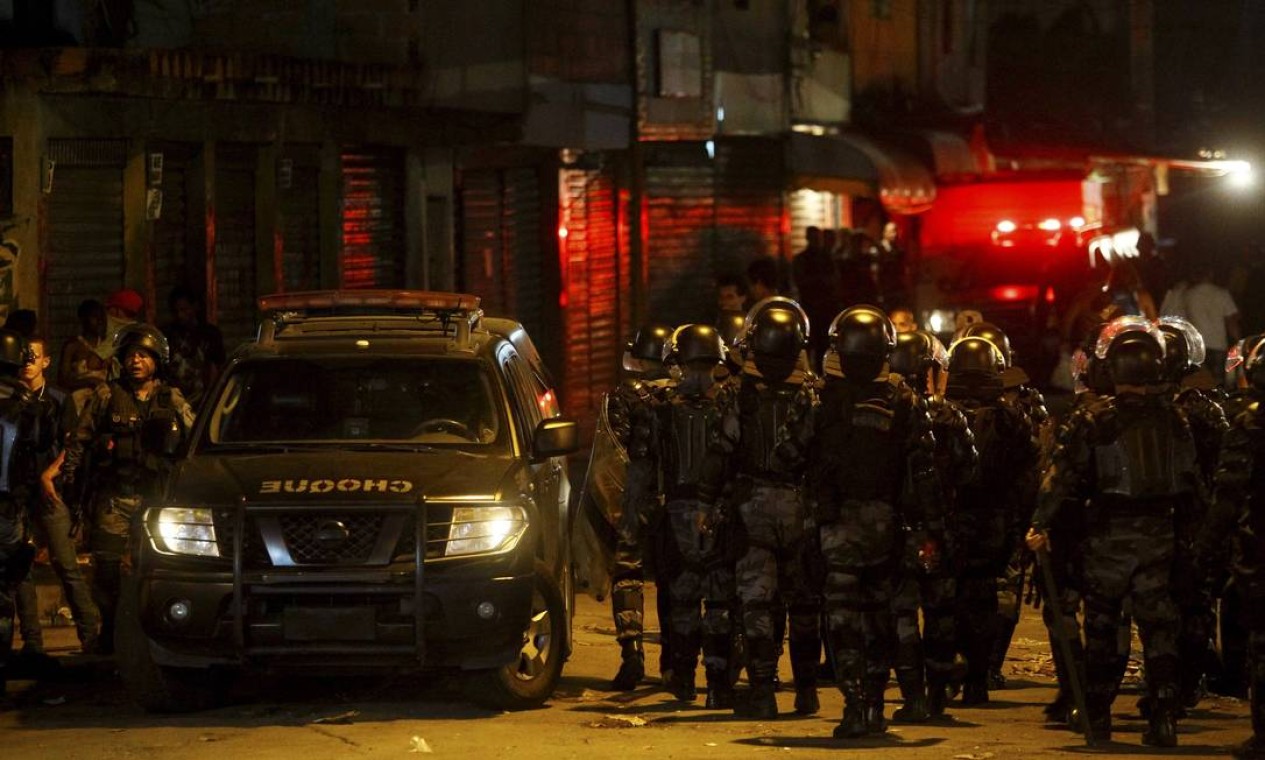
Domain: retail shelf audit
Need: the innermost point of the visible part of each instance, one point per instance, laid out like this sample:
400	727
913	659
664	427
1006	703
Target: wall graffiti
10	250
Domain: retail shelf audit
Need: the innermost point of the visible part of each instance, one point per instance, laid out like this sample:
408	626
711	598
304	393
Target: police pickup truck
376	484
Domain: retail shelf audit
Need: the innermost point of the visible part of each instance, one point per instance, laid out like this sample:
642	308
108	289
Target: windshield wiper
280	448
412	447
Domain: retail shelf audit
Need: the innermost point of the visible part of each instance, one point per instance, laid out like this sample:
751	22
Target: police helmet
776	326
975	369
1136	357
14	351
1121	325
863	339
691	344
143	336
646	346
730	325
1184	348
993	334
915	353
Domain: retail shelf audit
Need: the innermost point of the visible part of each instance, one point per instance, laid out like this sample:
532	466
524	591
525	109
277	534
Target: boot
1058	711
937	700
682	684
720	691
975	692
1162	725
913	693
804	668
685	648
852	724
761	668
632	667
875	723
1099	717
806	701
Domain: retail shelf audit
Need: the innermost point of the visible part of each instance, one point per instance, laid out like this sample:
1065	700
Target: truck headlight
183	530
485	530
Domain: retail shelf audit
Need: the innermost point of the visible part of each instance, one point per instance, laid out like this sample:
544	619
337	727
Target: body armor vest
868	456
1148	457
690	427
764	412
14	434
123	437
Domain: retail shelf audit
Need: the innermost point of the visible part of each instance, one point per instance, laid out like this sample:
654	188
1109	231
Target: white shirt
1207	306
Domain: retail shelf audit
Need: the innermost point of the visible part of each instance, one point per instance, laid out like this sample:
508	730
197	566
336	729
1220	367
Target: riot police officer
1129	542
761	449
626	426
133	425
990	508
1020	394
1238	514
872	475
696	567
1196	397
16	483
924	663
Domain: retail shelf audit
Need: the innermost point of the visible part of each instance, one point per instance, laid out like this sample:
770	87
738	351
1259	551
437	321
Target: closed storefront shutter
748	221
679	201
235	167
85	257
502	258
373	252
301	221
596	282
177	260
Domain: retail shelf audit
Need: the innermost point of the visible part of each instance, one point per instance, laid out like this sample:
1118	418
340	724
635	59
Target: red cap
126	300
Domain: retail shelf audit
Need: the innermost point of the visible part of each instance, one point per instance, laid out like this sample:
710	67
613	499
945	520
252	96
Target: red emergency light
392	299
1013	292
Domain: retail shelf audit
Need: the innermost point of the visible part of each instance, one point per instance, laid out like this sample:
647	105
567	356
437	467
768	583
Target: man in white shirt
1211	309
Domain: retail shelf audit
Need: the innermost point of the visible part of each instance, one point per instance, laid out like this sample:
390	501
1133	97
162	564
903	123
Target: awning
854	165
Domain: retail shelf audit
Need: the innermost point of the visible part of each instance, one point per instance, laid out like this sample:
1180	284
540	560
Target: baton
1062	636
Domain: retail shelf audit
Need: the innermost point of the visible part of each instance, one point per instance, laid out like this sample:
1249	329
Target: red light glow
1050	225
1013	292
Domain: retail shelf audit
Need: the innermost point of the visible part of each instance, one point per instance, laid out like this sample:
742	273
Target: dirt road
317	718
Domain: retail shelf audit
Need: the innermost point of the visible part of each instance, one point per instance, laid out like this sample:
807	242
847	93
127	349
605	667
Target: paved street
331	718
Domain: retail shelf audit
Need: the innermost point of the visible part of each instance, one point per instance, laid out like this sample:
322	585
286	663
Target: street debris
975	756
418	744
619	721
340	719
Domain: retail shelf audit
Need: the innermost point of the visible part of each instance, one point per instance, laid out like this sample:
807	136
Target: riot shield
601	508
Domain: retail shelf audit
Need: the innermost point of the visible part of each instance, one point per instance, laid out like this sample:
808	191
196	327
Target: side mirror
554	438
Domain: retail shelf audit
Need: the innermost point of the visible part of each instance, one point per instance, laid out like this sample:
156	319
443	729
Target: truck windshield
337	400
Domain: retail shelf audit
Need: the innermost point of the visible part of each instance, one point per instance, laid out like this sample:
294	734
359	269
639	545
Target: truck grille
300	531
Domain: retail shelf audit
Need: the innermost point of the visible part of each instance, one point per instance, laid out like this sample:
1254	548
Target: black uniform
16	481
128	472
1138	456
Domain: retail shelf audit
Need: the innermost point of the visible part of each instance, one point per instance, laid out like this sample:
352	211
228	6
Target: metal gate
502	258
85	257
680	207
235	167
373	253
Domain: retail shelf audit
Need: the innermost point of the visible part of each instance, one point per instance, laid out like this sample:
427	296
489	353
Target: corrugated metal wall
85	229
373	252
596	281
680	207
235	167
502	252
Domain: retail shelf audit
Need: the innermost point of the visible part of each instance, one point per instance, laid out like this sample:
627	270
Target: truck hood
339	476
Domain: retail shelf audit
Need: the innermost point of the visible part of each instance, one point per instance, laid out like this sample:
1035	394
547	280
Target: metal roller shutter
502	260
301	223
85	229
596	281
679	199
748	218
373	253
235	167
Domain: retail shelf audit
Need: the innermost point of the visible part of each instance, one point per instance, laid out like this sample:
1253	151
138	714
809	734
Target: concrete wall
21	118
884	49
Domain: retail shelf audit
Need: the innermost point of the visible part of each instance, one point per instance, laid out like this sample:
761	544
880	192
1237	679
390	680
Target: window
881	9
337	400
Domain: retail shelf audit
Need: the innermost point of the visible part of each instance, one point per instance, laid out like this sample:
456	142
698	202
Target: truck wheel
529	680
158	688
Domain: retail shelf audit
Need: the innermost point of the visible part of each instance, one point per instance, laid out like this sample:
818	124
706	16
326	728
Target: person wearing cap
122	308
132	425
